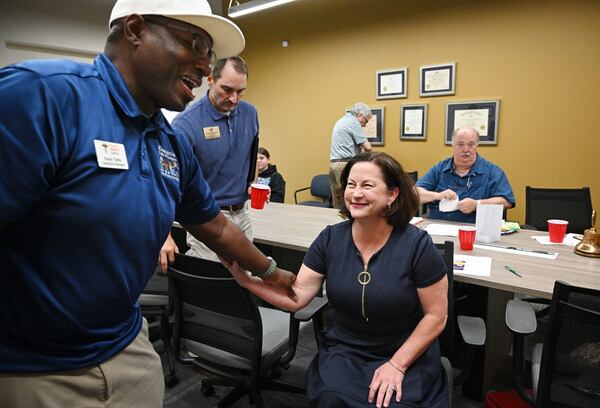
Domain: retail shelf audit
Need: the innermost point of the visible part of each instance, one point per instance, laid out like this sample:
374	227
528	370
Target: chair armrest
315	306
520	317
472	329
297	191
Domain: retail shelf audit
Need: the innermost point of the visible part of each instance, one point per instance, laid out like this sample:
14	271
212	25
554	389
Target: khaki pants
240	218
335	171
132	378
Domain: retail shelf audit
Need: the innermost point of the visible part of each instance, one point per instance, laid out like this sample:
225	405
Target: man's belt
233	208
340	160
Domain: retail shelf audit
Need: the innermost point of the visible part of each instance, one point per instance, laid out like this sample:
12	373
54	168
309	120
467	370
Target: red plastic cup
557	230
466	237
258	195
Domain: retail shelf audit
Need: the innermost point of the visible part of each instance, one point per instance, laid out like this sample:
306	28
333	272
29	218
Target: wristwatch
269	271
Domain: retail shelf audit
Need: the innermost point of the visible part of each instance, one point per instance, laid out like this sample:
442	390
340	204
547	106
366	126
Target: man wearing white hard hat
97	177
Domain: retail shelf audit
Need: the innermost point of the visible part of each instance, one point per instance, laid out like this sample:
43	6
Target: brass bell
590	244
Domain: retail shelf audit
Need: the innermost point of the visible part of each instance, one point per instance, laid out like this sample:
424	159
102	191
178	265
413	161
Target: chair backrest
414	175
570	365
179	235
212	309
446	339
573	205
319	187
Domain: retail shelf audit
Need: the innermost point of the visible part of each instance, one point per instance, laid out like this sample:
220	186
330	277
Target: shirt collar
214	113
119	91
477	168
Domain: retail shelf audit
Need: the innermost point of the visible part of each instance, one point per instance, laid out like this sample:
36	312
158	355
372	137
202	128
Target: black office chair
573	205
319	187
227	334
414	175
472	329
566	367
156	308
179	235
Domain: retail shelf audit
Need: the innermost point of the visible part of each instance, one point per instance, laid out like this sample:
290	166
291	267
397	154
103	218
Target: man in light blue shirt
347	140
466	176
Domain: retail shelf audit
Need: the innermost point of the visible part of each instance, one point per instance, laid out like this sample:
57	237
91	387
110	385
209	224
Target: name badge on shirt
211	132
111	155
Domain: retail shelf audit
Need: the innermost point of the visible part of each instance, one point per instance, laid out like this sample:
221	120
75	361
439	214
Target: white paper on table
472	265
552	255
442	229
569	240
448	205
416	220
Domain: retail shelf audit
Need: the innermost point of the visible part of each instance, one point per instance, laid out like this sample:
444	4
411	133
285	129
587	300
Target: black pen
511	270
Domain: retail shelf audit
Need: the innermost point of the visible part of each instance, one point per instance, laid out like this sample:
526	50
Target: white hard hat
228	39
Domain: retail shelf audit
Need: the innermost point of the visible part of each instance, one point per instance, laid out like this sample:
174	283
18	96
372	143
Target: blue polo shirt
346	137
484	180
223	145
82	240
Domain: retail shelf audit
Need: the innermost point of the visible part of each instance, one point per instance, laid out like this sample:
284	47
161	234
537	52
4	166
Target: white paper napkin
448	205
442	229
569	239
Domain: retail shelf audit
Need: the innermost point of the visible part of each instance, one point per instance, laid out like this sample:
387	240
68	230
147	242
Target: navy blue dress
355	346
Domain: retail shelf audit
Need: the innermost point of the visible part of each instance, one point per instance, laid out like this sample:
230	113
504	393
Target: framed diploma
480	115
438	79
414	122
391	83
374	128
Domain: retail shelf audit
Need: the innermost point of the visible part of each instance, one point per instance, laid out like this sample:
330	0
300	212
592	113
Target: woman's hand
387	379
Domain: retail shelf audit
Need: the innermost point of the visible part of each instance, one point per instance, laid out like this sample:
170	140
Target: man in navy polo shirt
223	132
92	178
466	176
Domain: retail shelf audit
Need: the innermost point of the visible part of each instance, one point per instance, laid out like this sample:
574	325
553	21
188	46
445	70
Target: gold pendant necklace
364	278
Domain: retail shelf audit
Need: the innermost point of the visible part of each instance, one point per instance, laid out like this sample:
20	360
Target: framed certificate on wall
479	115
413	124
438	79
391	83
374	128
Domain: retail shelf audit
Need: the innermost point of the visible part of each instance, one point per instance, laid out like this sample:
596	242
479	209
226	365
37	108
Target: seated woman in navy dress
388	288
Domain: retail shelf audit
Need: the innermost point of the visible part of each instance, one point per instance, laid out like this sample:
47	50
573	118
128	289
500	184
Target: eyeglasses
463	145
201	43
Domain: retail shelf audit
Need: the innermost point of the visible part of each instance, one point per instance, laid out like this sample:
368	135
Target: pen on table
511	270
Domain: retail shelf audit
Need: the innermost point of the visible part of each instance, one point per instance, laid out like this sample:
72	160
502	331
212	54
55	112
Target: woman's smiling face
366	193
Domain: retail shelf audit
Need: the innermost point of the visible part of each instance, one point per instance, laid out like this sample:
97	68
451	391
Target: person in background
268	175
387	285
466	176
97	177
223	132
347	140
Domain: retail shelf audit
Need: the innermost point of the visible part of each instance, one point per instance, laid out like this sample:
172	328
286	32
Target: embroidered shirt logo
169	166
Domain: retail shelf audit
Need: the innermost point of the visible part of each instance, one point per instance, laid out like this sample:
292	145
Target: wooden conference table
290	230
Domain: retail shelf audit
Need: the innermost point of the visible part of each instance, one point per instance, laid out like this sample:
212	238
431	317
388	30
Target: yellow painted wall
540	58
